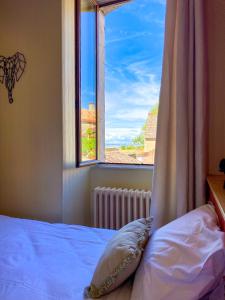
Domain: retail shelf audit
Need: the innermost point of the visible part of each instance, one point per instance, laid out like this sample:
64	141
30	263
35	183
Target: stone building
150	136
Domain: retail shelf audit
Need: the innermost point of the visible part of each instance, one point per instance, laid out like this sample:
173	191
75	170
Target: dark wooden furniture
217	196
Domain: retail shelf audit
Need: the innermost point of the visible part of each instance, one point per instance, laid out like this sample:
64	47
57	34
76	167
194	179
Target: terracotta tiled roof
118	157
88	116
151	126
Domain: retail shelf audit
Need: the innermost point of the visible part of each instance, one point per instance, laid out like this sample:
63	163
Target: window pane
88	81
134	47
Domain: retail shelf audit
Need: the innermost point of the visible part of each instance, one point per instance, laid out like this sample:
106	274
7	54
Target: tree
89	144
139	140
155	109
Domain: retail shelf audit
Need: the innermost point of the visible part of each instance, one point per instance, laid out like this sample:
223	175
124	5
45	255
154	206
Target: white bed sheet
42	261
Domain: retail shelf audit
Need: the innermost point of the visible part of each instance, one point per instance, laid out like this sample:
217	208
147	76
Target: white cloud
130	115
120	135
129	101
144	91
125	36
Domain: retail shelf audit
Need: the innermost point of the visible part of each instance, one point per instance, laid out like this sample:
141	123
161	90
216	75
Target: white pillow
121	257
183	260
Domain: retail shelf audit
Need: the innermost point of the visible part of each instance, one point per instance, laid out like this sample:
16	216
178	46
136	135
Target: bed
43	261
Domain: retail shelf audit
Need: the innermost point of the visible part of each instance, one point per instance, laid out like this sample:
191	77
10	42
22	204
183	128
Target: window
133	35
86	87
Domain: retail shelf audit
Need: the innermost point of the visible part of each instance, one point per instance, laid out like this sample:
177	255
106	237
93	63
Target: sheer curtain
181	147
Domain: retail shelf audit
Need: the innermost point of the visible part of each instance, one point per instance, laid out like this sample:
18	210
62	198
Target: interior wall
120	177
31	127
76	181
215	11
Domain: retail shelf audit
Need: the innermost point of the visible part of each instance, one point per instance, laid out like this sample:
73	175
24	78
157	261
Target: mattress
43	261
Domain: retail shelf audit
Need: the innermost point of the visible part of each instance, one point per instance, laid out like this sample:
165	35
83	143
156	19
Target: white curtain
181	147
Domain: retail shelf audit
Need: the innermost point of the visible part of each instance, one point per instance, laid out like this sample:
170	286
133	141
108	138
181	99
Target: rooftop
88	116
118	157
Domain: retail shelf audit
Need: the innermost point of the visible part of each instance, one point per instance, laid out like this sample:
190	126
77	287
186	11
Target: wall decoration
11	70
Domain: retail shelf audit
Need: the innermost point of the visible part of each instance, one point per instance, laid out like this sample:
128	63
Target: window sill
124	166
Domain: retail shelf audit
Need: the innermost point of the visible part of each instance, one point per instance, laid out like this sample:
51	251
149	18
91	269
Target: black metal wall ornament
11	70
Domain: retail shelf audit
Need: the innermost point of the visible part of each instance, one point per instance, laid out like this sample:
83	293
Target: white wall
216	57
31	127
135	178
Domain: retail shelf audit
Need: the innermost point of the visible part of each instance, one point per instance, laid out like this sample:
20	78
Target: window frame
79	162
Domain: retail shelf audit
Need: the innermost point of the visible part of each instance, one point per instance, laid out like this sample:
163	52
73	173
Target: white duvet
42	261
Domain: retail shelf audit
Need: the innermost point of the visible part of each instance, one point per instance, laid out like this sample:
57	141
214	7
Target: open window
119	47
86	81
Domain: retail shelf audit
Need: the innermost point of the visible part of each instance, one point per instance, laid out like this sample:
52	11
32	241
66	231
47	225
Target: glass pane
88	81
134	37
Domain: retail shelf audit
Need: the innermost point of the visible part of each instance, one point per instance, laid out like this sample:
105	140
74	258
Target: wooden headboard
217	196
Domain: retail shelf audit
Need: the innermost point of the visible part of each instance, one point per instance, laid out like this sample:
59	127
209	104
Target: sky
134	36
88	58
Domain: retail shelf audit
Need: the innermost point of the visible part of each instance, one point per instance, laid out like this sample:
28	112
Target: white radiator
113	208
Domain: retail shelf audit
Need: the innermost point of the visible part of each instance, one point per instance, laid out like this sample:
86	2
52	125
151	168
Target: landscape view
134	36
141	148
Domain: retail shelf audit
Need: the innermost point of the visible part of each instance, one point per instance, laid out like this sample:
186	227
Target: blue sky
134	48
88	59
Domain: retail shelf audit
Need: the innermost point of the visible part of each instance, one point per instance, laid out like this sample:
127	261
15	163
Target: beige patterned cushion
120	258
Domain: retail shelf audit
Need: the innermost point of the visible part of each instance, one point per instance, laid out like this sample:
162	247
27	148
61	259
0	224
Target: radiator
113	207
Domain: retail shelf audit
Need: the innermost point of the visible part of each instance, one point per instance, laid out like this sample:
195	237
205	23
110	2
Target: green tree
139	140
155	109
89	144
